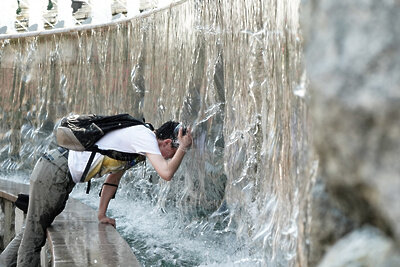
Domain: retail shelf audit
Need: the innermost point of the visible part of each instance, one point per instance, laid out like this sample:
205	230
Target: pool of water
160	238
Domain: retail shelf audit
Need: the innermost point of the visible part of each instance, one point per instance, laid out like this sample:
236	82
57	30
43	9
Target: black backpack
81	132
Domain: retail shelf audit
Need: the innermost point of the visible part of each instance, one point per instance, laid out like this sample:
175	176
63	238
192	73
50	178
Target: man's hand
106	220
185	141
167	168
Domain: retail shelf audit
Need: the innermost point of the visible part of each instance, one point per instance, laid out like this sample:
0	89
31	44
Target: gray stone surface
6	222
329	223
352	55
75	238
10	218
364	247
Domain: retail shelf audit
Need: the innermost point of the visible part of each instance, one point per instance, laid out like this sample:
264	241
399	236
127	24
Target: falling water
233	71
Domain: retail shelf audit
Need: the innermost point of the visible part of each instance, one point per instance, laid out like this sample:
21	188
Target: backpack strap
85	172
89	163
88	186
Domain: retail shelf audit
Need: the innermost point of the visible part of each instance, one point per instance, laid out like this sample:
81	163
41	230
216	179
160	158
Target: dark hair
166	131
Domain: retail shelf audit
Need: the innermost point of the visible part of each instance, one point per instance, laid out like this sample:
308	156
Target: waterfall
233	71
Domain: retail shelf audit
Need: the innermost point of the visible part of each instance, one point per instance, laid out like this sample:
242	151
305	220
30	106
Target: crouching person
57	171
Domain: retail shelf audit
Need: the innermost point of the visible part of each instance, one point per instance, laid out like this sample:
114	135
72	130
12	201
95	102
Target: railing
37	15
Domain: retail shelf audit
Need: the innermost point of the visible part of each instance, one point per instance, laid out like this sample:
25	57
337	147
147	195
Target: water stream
233	71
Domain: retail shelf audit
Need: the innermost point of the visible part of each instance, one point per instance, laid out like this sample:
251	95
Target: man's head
167	139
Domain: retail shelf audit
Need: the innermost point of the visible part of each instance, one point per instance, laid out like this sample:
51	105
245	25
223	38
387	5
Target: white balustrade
38	15
8	16
64	12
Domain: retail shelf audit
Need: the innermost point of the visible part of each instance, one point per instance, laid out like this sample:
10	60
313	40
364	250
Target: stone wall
352	52
7	222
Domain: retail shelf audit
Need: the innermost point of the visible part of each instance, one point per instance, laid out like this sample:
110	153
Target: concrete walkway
76	238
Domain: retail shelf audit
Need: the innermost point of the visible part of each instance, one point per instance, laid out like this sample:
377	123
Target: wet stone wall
232	70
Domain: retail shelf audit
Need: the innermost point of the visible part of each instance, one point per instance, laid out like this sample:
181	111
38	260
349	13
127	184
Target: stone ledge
76	238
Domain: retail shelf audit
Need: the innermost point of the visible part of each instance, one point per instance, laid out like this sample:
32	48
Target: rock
367	246
352	54
329	223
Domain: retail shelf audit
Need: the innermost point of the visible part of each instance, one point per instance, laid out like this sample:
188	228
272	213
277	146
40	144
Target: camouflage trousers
50	186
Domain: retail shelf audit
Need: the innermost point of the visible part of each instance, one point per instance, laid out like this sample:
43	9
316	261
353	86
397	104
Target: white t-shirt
135	139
